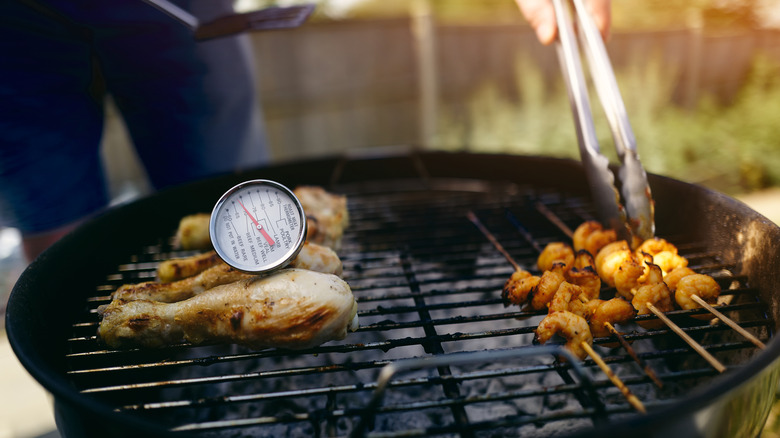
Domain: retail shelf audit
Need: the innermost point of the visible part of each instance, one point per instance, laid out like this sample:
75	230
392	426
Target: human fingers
601	11
541	16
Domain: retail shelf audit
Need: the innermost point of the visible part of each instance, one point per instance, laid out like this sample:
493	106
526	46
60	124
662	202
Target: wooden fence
332	87
357	85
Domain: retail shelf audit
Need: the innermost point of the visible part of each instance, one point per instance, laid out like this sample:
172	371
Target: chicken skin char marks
234	306
180	268
292	309
312	257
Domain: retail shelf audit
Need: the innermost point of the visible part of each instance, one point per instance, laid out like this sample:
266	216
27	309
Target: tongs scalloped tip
640	205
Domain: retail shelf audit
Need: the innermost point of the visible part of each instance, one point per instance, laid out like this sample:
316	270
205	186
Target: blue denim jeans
190	107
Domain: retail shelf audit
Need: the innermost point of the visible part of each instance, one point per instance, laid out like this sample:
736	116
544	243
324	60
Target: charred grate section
429	286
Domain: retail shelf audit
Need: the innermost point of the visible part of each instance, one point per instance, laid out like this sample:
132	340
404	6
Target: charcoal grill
437	353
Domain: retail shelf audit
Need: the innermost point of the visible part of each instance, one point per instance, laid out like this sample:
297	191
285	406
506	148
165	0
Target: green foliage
732	148
663	14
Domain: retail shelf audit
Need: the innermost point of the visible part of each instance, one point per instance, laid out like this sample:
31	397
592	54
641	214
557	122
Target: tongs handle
636	191
263	19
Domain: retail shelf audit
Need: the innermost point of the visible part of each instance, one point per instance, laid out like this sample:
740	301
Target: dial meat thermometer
258	226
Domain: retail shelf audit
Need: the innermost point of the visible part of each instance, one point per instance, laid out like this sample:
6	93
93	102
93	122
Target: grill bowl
58	286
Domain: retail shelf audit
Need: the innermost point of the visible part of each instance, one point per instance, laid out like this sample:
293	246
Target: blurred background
700	80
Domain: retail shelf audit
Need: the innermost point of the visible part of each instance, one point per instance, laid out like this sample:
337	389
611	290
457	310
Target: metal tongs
263	19
637	219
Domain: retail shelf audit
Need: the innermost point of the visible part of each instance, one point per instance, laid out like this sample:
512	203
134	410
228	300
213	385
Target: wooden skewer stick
730	322
632	400
475	220
552	217
649	371
695	345
629	349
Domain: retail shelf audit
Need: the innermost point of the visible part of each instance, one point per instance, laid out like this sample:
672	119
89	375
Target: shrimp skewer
656	292
555	252
549	325
572	327
591	236
519	286
579	339
600	315
696	285
612	256
697	290
690	290
566	269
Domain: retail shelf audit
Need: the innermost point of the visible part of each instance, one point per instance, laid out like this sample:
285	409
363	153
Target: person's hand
541	16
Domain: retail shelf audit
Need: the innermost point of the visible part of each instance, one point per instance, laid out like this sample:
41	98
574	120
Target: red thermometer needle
257	224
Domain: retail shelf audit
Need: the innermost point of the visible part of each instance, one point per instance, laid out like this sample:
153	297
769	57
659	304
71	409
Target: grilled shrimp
555	252
581	234
669	261
592	237
587	279
583	274
656	294
572	327
583	259
584	309
608	249
567	293
704	286
664	254
629	276
518	286
671	279
656	245
610	258
548	285
615	311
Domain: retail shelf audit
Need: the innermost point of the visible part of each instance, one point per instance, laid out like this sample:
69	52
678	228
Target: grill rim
29	329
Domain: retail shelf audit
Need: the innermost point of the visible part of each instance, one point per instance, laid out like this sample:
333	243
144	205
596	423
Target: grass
733	147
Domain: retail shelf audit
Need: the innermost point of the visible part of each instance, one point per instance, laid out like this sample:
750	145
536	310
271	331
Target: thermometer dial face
258	226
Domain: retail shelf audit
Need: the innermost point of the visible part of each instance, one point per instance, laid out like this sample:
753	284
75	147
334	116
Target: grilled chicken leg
326	213
293	309
312	256
180	268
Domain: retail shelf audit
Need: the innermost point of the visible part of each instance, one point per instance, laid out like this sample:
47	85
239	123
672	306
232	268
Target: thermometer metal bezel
285	259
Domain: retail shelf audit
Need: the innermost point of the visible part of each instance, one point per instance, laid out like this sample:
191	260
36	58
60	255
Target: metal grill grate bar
428	285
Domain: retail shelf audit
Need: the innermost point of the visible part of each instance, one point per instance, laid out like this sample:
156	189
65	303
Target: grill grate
428	284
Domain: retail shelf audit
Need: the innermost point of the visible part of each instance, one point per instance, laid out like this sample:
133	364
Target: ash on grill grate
428	285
